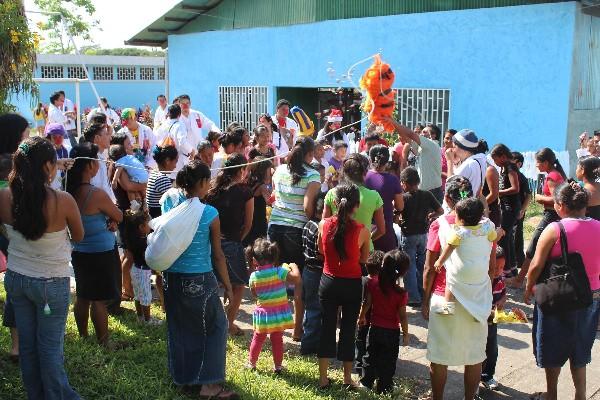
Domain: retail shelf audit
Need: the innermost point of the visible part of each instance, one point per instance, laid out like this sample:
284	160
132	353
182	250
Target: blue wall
508	68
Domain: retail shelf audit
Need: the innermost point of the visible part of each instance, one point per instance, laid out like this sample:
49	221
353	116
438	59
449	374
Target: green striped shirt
288	209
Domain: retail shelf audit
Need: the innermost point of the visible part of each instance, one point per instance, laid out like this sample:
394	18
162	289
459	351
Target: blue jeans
196	328
311	279
41	336
415	246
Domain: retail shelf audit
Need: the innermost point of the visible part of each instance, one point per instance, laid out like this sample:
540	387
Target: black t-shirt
524	188
416	207
512	201
231	204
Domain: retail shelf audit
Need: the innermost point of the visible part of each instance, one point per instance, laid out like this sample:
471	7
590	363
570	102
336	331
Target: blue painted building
527	75
124	80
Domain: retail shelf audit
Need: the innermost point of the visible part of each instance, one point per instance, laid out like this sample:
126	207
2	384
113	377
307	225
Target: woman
588	172
234	202
510	205
38	221
443	347
388	187
491	191
95	258
295	185
448	135
546	162
259	182
267	121
196	322
567	335
345	245
466	158
370	210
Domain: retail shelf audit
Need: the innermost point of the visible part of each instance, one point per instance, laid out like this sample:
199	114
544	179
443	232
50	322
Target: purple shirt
388	186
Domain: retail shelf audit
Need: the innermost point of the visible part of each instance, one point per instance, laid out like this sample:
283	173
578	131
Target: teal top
97	238
197	257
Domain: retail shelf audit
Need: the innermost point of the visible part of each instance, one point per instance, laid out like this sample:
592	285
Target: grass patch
140	371
532	218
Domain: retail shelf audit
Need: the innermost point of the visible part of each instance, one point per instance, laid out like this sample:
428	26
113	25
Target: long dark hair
296	163
12	127
75	174
395	264
591	168
355	168
380	155
501	150
192	173
547	155
347	198
28	184
234	163
258	171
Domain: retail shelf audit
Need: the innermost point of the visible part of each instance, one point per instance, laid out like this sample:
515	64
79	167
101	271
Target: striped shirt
310	243
288	209
158	184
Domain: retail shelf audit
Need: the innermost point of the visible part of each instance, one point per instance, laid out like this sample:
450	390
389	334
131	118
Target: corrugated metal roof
209	15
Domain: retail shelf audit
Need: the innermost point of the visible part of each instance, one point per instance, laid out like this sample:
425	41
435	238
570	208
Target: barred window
161	73
424	106
75	71
147	73
243	104
103	73
52	71
126	73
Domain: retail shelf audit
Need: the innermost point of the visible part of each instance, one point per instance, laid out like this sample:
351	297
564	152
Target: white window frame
76	72
126	73
103	73
161	73
243	104
147	73
52	71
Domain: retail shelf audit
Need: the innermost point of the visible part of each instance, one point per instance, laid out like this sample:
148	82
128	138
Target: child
135	235
321	149
340	150
135	170
373	266
491	348
272	314
420	208
387	302
213	137
321	169
474	237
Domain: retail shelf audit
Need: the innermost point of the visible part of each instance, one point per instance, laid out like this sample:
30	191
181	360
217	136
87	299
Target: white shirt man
174	128
283	141
71	122
197	126
55	115
112	117
161	113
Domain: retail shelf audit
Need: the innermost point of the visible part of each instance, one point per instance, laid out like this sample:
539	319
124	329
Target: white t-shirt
325	163
111	115
101	178
69	106
474	169
55	115
160	115
281	146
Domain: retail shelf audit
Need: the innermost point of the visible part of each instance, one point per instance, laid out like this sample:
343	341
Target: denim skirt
196	328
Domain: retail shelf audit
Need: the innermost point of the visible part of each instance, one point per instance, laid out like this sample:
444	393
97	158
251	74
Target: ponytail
559	168
296	162
547	155
347	198
234	163
395	264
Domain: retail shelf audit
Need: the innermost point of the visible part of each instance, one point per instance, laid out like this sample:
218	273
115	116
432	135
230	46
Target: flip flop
327	386
126	297
223	394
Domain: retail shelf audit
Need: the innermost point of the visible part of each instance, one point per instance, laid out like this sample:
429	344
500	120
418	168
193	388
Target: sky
120	19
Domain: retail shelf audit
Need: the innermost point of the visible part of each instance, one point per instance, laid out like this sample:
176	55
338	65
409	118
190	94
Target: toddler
387	303
473	237
272	315
135	170
136	230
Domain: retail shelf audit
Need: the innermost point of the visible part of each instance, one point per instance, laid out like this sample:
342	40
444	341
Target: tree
18	46
95	50
75	14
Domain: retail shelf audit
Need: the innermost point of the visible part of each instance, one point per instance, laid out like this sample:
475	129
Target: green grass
140	371
534	211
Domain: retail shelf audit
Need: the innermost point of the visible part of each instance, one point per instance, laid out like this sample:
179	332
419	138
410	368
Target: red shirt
333	265
384	308
553	176
434	245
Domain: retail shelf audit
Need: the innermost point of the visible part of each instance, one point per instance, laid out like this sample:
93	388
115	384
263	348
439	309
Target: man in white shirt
104	108
287	129
160	115
55	113
141	137
173	128
71	124
196	124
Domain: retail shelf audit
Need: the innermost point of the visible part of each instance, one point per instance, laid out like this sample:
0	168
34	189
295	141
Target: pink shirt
581	238
434	245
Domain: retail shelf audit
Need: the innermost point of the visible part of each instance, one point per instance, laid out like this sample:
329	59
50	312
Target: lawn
140	371
532	218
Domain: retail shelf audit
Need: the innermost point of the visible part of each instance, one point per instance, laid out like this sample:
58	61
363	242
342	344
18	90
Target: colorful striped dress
272	312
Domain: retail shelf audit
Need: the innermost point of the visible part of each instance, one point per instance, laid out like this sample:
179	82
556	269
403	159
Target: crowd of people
351	233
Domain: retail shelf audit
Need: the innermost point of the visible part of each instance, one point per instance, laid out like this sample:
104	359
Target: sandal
126	297
222	394
537	396
327	386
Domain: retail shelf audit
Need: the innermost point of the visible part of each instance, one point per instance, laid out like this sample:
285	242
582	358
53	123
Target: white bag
173	234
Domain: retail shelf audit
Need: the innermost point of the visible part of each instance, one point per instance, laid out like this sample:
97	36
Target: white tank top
47	257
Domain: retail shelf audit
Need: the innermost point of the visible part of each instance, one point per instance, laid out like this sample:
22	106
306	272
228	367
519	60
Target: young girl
135	235
387	302
272	314
472	239
262	145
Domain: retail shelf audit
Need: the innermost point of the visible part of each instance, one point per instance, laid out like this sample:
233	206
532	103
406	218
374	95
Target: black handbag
563	286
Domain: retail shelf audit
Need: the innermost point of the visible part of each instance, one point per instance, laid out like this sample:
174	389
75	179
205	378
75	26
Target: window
147	73
52	71
75	71
424	106
126	73
103	73
161	73
242	104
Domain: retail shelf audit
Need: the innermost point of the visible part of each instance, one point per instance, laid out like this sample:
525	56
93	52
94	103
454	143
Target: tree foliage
95	50
77	18
18	47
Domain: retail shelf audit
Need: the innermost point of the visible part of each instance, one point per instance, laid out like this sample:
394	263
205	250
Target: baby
472	238
135	170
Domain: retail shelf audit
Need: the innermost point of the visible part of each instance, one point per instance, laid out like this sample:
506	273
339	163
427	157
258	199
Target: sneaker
250	367
446	309
491	384
154	321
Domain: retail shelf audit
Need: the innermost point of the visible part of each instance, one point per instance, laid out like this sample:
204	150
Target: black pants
334	293
519	243
509	220
491	353
361	348
383	346
548	217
